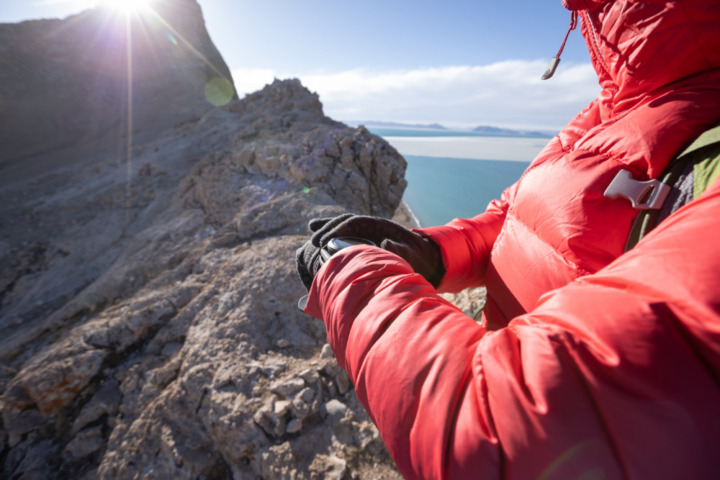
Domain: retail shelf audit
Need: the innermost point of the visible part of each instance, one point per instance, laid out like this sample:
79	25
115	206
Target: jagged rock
83	444
21	422
302	404
288	387
327	352
148	319
335	410
470	301
104	402
32	458
311	376
59	79
343	382
294	426
334	468
271	417
54	380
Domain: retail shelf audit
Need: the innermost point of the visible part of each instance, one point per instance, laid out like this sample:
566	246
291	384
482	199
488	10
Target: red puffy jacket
592	363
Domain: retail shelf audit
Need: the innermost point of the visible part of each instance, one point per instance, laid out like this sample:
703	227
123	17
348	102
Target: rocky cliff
148	320
73	83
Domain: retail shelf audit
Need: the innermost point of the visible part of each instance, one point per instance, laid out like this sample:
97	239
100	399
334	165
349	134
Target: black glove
309	262
309	257
421	253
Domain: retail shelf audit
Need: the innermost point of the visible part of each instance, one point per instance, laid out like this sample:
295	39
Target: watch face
337	244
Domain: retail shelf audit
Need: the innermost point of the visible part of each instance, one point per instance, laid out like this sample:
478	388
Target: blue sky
456	62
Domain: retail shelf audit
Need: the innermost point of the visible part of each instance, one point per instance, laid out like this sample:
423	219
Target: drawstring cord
550	71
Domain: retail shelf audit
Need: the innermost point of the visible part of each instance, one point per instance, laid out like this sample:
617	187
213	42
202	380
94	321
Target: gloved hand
421	253
308	261
309	257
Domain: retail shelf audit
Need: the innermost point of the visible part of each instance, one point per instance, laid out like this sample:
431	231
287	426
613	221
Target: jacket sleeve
615	375
465	245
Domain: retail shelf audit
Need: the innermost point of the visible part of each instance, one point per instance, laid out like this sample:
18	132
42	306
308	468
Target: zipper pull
550	71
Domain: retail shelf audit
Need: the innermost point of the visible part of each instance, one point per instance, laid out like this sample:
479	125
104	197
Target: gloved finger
308	263
355	226
302	268
392	246
316	224
375	229
331	224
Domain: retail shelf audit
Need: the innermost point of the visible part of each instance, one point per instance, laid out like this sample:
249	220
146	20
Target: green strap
708	137
704	153
706	170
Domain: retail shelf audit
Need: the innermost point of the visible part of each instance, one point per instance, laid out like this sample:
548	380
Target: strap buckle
647	195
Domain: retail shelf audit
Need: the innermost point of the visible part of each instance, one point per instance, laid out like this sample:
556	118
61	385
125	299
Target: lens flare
125	6
171	37
219	91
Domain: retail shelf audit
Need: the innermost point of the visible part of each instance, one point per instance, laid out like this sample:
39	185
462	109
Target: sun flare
126	6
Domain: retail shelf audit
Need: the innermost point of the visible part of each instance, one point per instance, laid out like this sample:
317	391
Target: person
590	361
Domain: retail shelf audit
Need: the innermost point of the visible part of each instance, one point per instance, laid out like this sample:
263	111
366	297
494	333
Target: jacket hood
640	46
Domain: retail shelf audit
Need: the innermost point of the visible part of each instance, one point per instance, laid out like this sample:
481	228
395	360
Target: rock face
64	83
148	320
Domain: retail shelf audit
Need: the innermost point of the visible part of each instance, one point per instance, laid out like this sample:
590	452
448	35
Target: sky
460	63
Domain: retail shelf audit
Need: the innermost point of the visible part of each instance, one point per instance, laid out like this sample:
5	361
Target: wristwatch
330	249
337	244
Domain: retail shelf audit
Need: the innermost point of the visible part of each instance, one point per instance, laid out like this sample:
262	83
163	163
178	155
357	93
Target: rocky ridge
170	345
74	82
148	320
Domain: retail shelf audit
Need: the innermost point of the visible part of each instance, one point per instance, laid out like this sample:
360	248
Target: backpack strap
692	171
708	137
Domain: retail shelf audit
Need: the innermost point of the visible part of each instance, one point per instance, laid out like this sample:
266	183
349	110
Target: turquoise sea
458	176
440	189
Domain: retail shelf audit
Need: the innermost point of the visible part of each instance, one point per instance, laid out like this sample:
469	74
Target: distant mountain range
508	131
483	129
372	123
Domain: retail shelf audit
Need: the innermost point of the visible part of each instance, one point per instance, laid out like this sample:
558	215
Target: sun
126	6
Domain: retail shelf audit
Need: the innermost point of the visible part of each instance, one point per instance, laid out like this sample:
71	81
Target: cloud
248	80
507	94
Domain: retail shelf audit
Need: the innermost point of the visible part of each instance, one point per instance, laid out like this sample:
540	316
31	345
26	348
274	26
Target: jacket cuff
465	245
